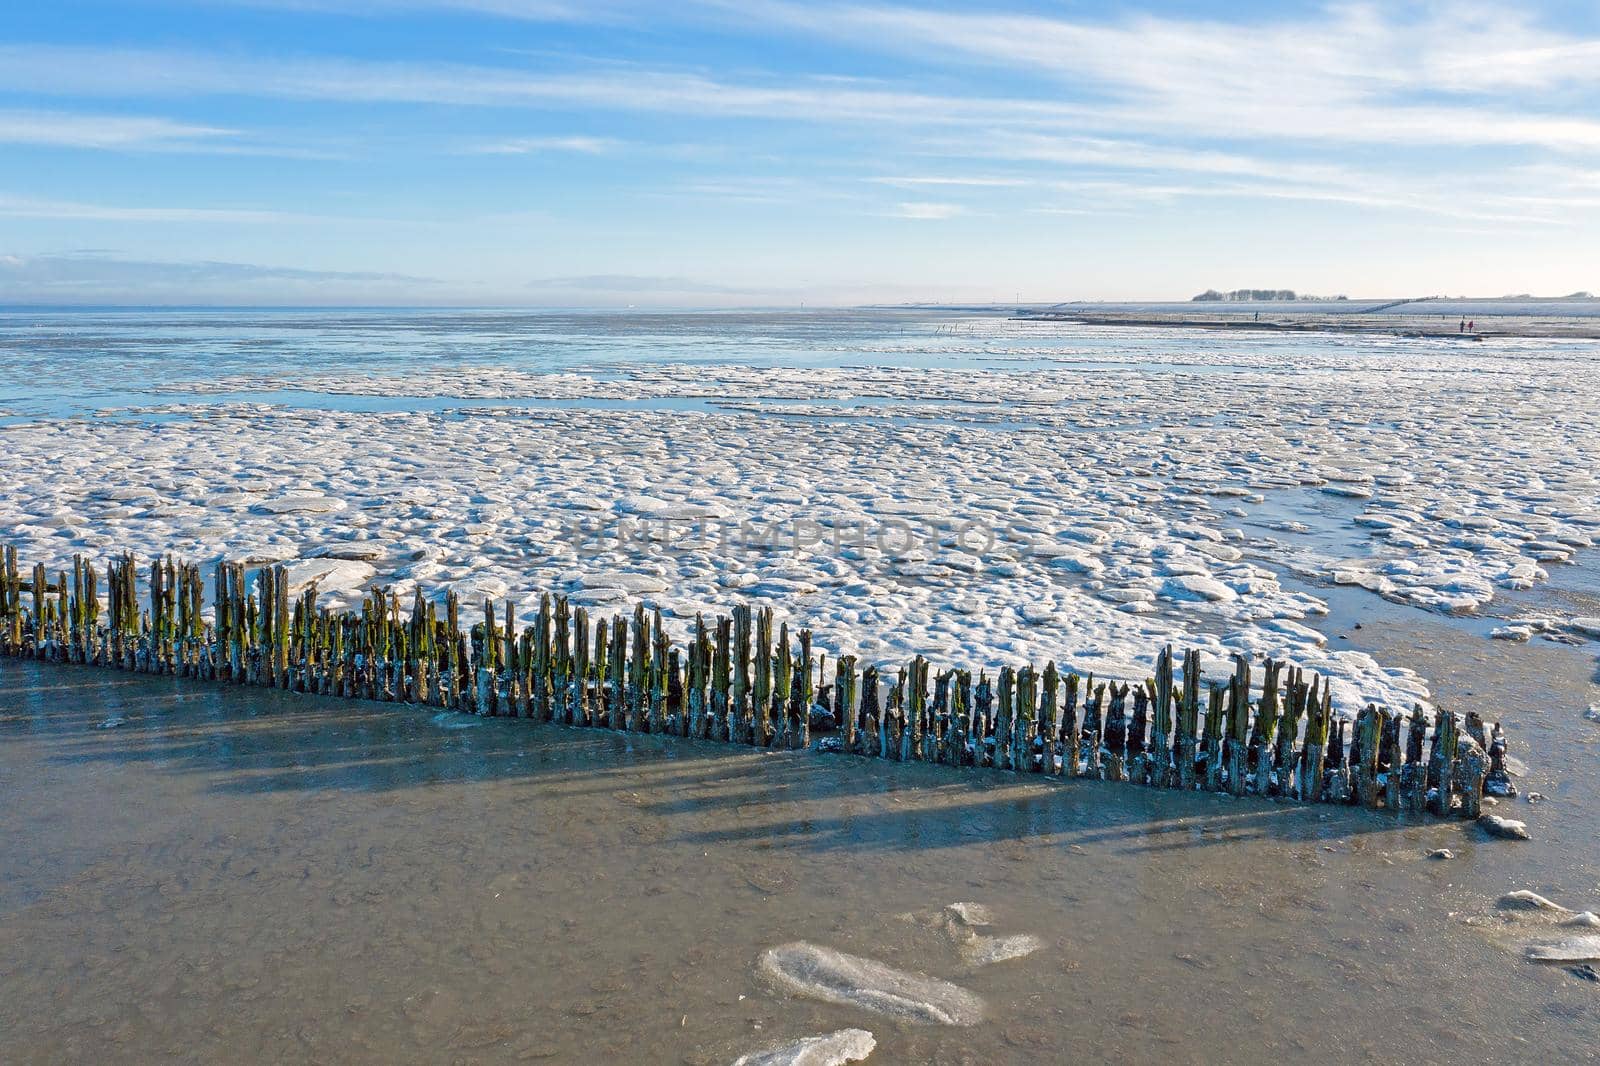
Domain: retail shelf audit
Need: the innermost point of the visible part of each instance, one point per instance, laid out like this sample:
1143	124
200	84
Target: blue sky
713	152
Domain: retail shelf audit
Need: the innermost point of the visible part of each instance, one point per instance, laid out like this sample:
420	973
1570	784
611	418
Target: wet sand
250	876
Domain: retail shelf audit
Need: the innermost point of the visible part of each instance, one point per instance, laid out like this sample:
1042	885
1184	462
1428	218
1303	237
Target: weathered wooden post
938	739
983	716
721	682
675	712
1004	700
782	721
1468	775
1498	780
1069	726
561	664
1286	758
638	684
1414	773
1441	760
916	706
739	719
11	601
1049	718
659	669
846	702
488	660
1264	740
1024	718
617	702
1365	755
961	717
280	625
896	718
1139	732
1188	721
539	667
1090	744
802	694
1337	787
761	690
1311	760
871	714
1215	697
1114	746
582	712
699	662
1160	772
1238	741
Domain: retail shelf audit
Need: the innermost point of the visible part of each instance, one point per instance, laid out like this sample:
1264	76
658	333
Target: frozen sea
962	485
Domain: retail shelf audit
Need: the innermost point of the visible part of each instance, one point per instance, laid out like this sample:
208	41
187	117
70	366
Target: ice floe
1032	507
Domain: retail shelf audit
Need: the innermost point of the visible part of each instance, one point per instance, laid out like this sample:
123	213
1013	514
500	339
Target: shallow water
73	363
237	876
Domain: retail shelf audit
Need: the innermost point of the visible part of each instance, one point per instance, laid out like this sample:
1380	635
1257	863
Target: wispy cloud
79	71
1349	78
951	181
926	211
539	145
24	207
532	10
654	285
1353	73
89	277
71	130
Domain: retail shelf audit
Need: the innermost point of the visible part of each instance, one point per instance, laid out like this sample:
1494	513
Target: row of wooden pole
739	682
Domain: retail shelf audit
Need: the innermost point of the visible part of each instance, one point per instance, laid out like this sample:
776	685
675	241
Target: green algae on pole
1183	756
1310	786
845	697
1266	727
801	695
1157	766
745	684
761	690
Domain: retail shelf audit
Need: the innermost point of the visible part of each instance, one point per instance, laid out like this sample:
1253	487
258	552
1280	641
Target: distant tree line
1257	296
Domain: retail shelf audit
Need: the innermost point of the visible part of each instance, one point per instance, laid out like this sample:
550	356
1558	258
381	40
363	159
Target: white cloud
21	207
539	145
949	181
637	285
532	10
79	278
927	211
67	129
26	207
81	71
1350	77
1355	73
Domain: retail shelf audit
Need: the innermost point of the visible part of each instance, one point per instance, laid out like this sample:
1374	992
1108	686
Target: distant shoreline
1432	325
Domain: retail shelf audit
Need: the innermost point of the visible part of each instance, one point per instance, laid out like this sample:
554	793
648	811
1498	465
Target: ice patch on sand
985	950
831	1049
1566	949
835	977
